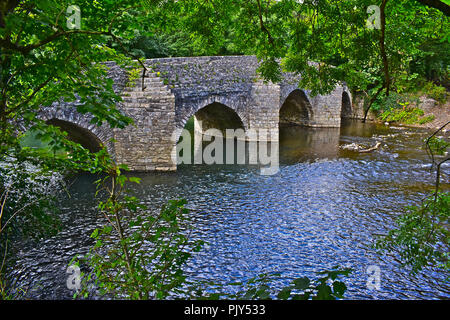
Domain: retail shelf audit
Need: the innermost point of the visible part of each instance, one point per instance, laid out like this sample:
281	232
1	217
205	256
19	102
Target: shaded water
324	208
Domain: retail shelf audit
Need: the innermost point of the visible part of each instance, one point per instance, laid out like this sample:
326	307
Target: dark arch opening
218	116
346	109
213	116
78	134
296	109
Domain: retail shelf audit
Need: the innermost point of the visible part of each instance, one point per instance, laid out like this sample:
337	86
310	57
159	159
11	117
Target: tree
45	60
328	42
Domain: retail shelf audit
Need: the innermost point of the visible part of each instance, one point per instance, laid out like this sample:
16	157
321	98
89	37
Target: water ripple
317	212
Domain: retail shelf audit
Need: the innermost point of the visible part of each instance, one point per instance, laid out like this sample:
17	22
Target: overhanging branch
439	5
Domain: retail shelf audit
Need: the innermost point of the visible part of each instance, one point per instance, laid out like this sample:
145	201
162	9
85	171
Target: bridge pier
327	109
147	145
261	112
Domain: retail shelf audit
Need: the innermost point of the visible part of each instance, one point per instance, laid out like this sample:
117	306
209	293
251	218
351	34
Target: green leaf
135	180
339	288
107	229
263	293
94	234
284	294
323	293
301	283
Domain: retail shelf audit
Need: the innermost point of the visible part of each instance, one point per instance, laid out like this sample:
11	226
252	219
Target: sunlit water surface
324	208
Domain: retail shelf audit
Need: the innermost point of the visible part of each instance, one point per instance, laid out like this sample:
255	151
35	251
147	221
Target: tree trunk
366	111
387	79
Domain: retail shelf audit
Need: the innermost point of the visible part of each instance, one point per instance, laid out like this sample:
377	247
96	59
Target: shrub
393	101
426	119
438	93
406	115
422	237
137	255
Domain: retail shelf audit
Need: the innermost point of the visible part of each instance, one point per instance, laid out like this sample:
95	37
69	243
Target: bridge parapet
197	75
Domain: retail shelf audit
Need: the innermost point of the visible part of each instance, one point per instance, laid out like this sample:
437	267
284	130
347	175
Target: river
325	207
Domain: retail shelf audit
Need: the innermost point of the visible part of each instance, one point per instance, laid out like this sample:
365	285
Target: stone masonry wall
327	109
199	81
148	144
264	111
176	88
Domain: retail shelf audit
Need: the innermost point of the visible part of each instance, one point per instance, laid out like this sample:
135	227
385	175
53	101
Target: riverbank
440	112
426	113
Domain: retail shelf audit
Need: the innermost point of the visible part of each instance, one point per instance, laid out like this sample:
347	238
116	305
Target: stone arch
78	134
231	106
213	115
296	109
79	128
346	107
218	116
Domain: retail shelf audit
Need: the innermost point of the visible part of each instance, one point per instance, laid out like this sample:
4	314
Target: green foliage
400	108
426	119
270	70
422	237
24	187
327	286
158	45
438	145
42	62
27	209
438	93
190	124
406	82
393	101
406	115
137	255
432	60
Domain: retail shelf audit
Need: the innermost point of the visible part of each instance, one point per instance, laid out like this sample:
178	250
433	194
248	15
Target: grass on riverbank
409	108
406	115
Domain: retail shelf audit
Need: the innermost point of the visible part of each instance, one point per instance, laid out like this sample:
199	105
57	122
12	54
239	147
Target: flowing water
324	208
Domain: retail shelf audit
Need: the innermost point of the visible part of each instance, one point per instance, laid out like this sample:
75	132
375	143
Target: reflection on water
324	208
300	144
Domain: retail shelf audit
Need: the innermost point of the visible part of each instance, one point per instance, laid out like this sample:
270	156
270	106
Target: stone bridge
222	92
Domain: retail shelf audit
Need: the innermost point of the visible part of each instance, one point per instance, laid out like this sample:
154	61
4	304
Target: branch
3	263
428	149
436	4
433	162
133	56
22	209
366	112
387	80
5	195
261	23
26	49
5	9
